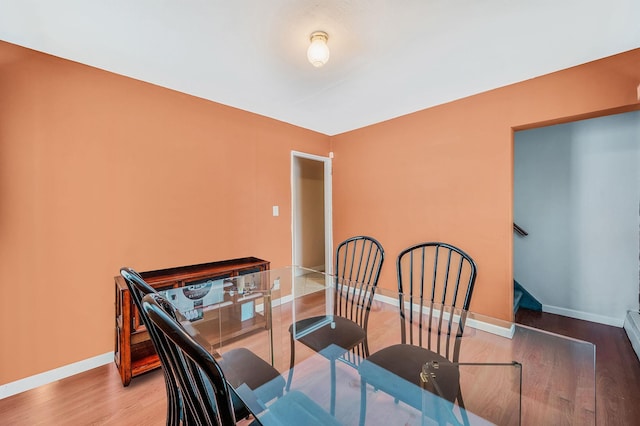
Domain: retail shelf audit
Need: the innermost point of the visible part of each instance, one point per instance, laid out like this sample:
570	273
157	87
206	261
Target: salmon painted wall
445	173
98	171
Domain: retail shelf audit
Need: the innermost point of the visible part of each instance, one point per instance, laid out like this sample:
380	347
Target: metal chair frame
357	267
138	288
204	390
437	300
435	283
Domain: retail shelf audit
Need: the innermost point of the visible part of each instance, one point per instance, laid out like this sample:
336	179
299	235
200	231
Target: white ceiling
388	57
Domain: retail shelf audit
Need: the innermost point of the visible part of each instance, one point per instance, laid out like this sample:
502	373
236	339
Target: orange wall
98	171
445	173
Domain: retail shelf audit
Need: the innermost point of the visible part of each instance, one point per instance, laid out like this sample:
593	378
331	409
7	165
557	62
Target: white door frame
328	208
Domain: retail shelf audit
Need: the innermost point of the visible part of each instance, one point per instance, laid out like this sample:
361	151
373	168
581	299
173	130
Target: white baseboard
581	315
385	299
50	376
285	299
32	382
471	322
498	330
37	380
275	302
632	327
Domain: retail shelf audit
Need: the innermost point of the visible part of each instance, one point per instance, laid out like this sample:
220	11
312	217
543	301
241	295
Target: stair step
525	299
517	295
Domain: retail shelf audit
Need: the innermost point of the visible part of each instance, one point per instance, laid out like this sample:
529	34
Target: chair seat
243	366
341	332
240	410
405	362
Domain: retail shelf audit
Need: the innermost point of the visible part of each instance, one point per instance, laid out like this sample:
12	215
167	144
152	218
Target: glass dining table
509	374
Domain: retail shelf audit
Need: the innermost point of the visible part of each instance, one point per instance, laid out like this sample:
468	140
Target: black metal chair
241	365
138	288
435	285
208	398
205	393
358	262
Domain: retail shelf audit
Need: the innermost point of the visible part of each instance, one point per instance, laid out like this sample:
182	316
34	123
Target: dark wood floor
617	366
97	397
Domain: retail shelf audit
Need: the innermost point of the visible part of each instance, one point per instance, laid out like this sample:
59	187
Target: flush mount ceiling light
318	51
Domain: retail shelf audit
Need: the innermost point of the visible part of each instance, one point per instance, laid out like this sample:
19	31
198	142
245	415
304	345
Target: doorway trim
328	207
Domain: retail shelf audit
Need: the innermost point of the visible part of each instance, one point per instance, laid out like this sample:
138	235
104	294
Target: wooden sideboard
134	352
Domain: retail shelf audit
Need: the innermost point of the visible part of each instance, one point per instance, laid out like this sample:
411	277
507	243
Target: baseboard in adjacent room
586	316
632	327
50	376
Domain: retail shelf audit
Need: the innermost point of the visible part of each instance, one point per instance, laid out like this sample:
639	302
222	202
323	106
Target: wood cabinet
134	352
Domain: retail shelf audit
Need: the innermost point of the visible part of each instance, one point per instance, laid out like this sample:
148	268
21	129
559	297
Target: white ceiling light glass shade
318	51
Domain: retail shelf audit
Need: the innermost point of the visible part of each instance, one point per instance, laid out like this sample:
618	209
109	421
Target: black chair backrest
357	269
202	384
138	288
435	285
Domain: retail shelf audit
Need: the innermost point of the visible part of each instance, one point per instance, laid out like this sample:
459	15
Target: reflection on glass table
508	374
314	381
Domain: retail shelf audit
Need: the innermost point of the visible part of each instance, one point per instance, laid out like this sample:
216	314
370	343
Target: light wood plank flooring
617	366
97	397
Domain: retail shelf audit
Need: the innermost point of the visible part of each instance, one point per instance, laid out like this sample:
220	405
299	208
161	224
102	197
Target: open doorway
311	211
576	191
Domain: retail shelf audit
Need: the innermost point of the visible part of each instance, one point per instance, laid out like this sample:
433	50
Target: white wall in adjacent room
576	191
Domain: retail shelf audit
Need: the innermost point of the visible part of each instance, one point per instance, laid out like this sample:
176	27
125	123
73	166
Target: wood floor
97	397
617	366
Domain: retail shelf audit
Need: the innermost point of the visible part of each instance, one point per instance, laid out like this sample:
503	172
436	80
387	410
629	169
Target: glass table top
507	373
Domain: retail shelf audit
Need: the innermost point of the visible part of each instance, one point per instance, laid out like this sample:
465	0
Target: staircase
517	296
523	299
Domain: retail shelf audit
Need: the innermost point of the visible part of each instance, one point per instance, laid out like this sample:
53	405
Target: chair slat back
358	263
203	387
435	285
138	288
